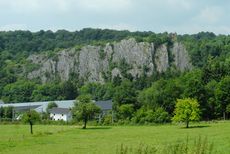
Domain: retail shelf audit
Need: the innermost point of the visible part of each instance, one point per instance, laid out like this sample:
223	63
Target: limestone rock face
137	55
100	63
161	58
181	57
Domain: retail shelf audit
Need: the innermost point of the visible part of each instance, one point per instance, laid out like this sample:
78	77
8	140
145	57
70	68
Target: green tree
85	108
19	91
143	115
48	92
223	94
125	94
8	112
162	93
31	117
126	111
50	106
195	88
212	105
186	110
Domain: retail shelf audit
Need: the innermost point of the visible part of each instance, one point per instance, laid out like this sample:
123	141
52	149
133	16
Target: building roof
26	108
105	105
57	110
42	106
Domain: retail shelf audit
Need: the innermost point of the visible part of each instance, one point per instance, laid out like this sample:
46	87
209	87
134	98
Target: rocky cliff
100	63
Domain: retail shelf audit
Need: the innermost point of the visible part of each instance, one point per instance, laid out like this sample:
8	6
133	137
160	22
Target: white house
60	114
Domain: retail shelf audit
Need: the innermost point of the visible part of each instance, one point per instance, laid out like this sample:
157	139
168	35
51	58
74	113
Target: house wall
64	117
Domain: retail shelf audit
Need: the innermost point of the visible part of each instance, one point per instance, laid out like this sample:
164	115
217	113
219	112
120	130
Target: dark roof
25	108
105	105
57	110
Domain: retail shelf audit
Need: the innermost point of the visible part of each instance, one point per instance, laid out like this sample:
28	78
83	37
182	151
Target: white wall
64	117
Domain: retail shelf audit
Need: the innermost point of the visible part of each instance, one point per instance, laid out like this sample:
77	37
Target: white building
60	114
62	105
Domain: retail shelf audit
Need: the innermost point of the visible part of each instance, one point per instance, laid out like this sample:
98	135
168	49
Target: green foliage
6	113
210	56
186	110
29	67
159	115
98	91
85	109
212	105
107	119
126	111
48	92
123	149
27	91
102	54
228	108
31	117
50	106
222	94
162	93
199	146
125	94
19	91
124	67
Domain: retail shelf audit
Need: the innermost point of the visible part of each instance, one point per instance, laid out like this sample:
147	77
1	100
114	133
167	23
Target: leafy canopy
31	117
51	105
186	110
85	108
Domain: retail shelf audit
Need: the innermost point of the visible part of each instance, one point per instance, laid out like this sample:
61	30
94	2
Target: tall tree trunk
85	121
187	123
31	128
224	115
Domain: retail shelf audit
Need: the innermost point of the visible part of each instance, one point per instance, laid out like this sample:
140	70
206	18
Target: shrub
143	116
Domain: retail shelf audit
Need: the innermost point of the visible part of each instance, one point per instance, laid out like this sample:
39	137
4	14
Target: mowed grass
73	140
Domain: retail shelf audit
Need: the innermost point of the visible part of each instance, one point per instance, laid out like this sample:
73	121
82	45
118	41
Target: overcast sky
181	16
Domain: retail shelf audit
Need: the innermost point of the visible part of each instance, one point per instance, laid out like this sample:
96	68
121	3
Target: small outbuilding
57	113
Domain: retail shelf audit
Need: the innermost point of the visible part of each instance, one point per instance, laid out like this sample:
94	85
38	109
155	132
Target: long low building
42	106
62	105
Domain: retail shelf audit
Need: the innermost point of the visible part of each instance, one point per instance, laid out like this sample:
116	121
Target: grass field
71	139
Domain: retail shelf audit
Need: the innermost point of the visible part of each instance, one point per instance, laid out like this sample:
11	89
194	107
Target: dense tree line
141	99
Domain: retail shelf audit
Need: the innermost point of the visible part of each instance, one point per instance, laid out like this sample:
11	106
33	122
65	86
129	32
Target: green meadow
63	139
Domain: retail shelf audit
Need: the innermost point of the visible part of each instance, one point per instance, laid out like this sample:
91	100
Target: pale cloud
20	6
180	4
101	5
13	27
181	16
210	15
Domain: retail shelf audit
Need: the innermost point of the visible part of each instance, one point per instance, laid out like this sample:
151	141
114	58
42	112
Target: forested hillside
143	72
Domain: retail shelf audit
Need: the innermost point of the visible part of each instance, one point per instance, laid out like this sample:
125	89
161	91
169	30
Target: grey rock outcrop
95	63
161	58
181	57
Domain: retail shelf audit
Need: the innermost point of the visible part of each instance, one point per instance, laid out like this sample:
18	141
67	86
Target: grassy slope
70	139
